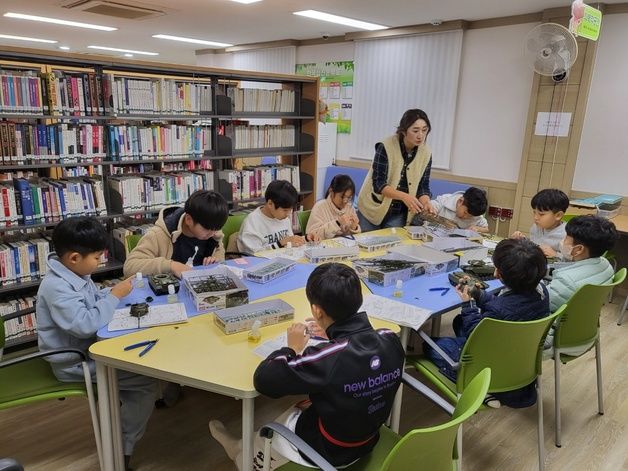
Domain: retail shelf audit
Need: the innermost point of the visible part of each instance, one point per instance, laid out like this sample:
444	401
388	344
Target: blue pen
148	347
147	344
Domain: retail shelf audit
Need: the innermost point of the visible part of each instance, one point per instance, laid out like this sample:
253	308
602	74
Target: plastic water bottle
398	293
289	248
255	335
139	280
172	295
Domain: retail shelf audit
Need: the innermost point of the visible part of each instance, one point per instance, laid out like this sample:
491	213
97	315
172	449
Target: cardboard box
331	254
386	270
374	243
267	271
435	260
241	318
214	288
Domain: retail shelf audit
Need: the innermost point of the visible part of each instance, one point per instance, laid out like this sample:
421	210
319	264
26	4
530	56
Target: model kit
331	254
215	288
373	243
464	249
386	270
479	269
267	271
433	220
241	318
461	278
159	283
435	260
419	233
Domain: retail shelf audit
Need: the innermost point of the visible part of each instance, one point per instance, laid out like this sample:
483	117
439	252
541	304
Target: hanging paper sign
585	20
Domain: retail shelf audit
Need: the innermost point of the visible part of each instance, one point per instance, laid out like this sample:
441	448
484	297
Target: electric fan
551	49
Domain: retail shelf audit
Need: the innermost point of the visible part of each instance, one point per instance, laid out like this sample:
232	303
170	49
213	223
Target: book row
24	143
19	327
25	260
42	200
262	137
251	182
261	100
156	190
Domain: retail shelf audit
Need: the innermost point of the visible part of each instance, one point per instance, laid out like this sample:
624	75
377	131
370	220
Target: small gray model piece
373	243
386	270
435	260
419	233
267	271
215	288
331	254
240	318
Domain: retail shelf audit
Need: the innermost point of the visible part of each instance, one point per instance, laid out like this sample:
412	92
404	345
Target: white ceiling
229	22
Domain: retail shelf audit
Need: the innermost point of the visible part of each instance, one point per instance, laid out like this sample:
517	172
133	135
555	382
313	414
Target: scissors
444	290
147	344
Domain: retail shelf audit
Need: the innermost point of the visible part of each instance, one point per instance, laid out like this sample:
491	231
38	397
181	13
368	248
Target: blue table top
294	279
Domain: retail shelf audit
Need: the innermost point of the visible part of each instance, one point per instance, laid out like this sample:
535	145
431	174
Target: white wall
602	165
493	101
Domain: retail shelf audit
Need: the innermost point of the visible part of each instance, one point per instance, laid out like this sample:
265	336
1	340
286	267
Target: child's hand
296	241
344	221
209	260
548	251
123	288
178	268
518	235
313	237
478	229
354	223
463	292
314	329
297	337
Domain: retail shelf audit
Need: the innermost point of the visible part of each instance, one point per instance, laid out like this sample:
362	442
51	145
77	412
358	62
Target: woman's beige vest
375	206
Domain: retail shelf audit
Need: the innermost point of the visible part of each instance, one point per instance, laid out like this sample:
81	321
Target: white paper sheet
278	342
394	311
160	314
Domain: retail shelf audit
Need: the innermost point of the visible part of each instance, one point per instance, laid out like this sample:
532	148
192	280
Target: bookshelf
84	123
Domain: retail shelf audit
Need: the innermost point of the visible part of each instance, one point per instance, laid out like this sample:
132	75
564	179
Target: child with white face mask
586	240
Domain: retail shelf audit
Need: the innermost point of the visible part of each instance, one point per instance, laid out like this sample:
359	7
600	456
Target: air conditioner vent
135	11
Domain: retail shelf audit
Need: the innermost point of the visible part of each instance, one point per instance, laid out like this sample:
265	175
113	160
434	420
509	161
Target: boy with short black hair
586	240
270	226
549	207
466	208
182	237
351	380
520	265
71	309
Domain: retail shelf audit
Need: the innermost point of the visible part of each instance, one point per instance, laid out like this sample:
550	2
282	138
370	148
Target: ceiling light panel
56	21
24	38
130	51
191	40
341	20
246	2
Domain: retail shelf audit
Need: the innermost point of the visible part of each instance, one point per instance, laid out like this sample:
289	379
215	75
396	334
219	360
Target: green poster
336	81
585	21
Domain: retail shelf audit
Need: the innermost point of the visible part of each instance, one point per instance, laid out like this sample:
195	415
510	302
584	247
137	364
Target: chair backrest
511	349
432	448
578	325
303	217
233	224
131	242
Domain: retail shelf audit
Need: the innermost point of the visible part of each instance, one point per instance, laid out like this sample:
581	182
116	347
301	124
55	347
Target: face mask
566	250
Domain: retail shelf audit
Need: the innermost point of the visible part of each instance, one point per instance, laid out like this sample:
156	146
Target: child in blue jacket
520	265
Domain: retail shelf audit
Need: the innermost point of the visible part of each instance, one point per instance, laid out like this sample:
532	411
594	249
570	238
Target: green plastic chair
27	379
232	226
131	242
303	217
430	448
579	327
513	352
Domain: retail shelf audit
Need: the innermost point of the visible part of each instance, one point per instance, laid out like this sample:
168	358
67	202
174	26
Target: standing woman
398	184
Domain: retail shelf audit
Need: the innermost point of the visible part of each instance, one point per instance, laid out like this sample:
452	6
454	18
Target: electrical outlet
494	211
506	213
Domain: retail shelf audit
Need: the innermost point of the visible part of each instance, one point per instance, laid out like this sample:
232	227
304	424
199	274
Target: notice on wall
336	80
552	124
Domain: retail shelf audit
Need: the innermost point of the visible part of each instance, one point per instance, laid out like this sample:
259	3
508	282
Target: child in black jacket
351	380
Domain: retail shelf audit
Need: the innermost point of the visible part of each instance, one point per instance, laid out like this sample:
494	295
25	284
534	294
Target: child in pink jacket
335	216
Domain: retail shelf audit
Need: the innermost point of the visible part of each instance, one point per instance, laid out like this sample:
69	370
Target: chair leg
598	368
267	451
622	312
557	418
539	408
92	409
459	447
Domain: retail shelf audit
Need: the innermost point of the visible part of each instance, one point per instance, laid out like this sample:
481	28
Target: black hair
409	118
207	208
282	193
521	264
475	201
550	199
336	289
340	184
595	233
82	234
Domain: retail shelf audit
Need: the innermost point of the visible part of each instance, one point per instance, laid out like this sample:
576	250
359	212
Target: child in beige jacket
335	216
